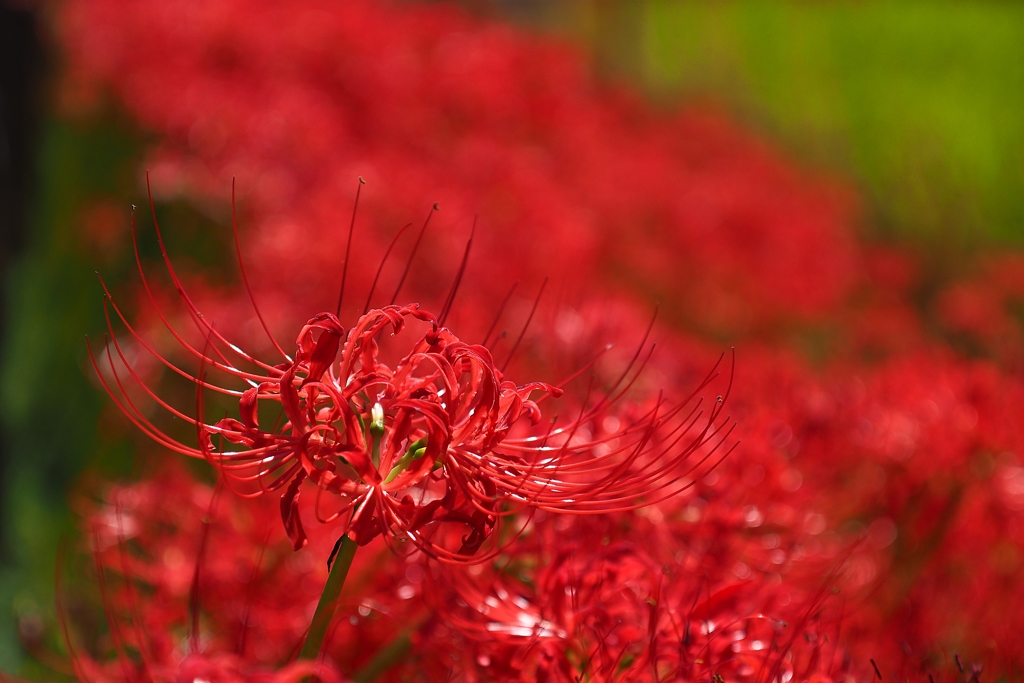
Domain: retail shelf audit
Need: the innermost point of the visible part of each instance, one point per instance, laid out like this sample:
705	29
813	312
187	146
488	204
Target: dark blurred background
919	104
21	76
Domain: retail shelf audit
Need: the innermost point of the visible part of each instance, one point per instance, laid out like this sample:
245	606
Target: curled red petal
290	513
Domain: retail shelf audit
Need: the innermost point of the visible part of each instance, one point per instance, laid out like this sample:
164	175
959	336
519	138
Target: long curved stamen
348	246
245	275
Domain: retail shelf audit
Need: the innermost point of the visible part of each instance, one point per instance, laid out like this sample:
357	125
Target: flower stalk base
328	600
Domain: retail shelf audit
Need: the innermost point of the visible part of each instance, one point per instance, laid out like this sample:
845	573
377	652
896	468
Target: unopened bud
377	419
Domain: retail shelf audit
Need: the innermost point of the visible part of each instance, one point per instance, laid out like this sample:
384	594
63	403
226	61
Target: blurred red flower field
867	521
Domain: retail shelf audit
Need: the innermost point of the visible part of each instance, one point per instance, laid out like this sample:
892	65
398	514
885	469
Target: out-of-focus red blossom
644	597
169	545
255	598
986	310
919	458
572	179
587	576
224	668
880	319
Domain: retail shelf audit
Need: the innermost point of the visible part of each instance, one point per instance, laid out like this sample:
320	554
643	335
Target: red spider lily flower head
229	668
423	448
399	447
186	572
216	668
611	613
190	590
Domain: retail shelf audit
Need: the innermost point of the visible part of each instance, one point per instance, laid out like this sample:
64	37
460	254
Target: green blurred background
919	104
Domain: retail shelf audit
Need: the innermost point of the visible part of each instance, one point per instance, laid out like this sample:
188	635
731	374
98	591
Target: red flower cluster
199	580
188	579
982	312
215	669
602	609
916	460
428	104
875	506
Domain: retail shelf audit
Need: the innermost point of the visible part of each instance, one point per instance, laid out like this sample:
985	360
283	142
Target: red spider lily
152	544
610	612
187	574
919	458
149	569
295	99
433	442
221	668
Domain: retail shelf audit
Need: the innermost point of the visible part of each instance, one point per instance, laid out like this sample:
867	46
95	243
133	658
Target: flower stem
328	600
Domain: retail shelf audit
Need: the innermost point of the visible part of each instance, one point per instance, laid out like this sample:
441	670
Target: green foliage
922	102
49	405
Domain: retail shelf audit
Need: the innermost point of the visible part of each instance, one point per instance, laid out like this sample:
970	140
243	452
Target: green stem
328	600
415	452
